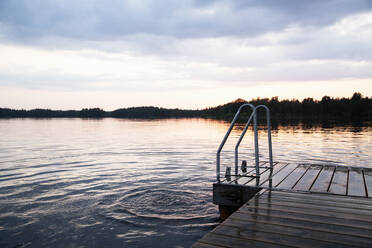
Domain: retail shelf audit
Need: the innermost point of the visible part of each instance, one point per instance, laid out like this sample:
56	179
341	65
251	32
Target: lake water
135	183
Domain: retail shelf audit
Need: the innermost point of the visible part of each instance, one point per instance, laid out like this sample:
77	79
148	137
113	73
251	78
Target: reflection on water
133	183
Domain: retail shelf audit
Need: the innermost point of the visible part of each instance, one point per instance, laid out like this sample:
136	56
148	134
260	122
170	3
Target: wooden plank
368	181
254	182
296	231
305	216
356	183
274	238
304	224
330	211
232	179
203	245
308	179
324	179
266	175
326	197
330	201
339	181
290	181
237	179
222	240
278	177
244	180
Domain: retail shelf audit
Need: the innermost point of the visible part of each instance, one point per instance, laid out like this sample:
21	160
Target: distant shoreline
355	108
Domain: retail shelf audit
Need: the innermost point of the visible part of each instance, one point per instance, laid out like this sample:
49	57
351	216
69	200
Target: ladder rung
248	176
261	167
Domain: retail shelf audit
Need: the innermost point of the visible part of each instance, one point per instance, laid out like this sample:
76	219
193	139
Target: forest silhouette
355	108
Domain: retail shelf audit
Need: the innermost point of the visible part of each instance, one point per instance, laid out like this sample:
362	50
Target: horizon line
173	108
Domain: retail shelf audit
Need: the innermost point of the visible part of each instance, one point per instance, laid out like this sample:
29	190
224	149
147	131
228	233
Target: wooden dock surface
292	219
339	180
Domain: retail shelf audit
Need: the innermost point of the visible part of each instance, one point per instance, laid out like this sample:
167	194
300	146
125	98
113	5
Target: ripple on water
146	206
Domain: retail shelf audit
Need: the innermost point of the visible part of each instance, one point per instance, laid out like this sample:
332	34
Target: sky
67	54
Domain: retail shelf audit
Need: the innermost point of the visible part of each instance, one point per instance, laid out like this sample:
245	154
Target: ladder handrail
254	116
227	135
241	138
268	122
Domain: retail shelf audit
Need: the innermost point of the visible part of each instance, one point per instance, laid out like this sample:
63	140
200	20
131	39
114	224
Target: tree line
133	112
355	108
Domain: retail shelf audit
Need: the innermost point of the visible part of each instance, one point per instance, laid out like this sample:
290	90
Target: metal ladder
256	147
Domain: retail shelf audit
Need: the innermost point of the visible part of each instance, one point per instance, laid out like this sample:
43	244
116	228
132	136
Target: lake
136	183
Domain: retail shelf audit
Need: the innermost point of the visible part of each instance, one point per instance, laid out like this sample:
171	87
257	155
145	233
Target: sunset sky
65	54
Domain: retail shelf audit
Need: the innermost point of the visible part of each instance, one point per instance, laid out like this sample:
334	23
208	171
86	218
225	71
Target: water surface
135	183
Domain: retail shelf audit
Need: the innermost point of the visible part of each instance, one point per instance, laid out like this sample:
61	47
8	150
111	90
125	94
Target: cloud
230	33
114	19
186	45
84	70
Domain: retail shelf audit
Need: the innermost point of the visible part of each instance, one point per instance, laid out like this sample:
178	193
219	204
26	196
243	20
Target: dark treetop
356	108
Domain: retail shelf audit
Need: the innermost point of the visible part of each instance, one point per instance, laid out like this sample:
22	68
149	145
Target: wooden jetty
325	179
301	205
284	205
